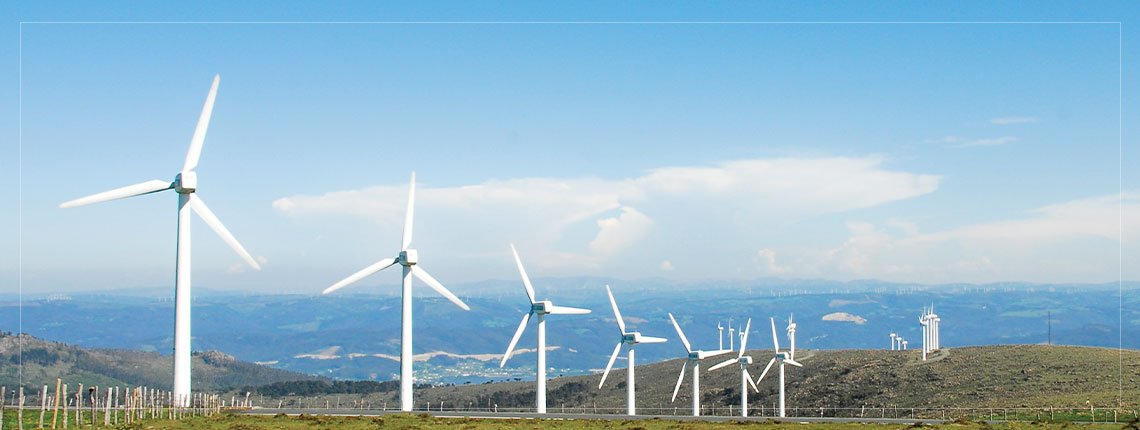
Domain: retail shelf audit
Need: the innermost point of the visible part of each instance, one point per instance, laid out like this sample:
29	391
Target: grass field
422	421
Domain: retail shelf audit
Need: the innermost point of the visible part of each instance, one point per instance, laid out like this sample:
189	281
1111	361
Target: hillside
989	376
44	361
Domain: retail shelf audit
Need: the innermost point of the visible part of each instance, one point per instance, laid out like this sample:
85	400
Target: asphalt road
557	416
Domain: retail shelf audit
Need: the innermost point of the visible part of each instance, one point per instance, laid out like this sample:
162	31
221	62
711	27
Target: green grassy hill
44	361
972	377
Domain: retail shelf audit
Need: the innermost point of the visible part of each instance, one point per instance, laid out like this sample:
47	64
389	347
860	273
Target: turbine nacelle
745	360
782	356
408	257
541	307
186	182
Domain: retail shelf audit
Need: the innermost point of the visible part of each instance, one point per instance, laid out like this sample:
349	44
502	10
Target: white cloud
1075	241
992	141
1013	120
963	142
767	260
616	234
569	222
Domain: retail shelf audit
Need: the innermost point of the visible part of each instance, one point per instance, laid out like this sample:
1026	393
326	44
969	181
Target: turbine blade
621	324
766	369
565	310
748	376
199	206
515	339
526	280
723	364
794	363
375	267
200	130
681	378
684	341
408	215
744	340
610	365
775	340
706	354
651	339
119	193
438	287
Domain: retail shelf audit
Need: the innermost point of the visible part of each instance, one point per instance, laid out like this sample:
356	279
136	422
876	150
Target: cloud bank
581	223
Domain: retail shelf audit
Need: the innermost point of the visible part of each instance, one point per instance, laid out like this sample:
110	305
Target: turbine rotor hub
746	360
186	182
409	257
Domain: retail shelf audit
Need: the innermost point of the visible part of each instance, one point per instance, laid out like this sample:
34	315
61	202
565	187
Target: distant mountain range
356	336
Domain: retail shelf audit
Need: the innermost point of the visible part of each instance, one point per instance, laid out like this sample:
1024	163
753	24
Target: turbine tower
720	335
631	339
792	335
185	184
783	358
731	340
693	360
540	309
745	378
409	259
936	323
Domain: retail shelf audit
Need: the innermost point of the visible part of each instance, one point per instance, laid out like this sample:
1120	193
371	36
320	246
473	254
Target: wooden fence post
63	398
107	409
79	405
43	405
20	411
55	403
3	390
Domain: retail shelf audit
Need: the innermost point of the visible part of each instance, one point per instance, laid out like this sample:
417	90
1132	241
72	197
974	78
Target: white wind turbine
731	340
745	378
408	258
185	183
720	334
792	335
631	339
540	309
893	337
694	360
783	358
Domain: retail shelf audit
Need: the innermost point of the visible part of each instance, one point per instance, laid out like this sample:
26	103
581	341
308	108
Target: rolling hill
44	361
971	377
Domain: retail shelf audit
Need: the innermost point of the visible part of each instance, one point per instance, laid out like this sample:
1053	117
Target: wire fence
1088	414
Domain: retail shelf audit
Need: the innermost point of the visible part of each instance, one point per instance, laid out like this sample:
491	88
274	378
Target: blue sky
923	153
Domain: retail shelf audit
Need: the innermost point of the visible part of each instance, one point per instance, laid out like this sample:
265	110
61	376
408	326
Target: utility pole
1049	322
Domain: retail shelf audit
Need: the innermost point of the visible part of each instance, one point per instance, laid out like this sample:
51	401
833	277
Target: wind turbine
782	358
720	335
893	337
924	320
185	183
792	335
731	330
540	309
408	258
631	339
936	323
904	345
694	360
745	378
